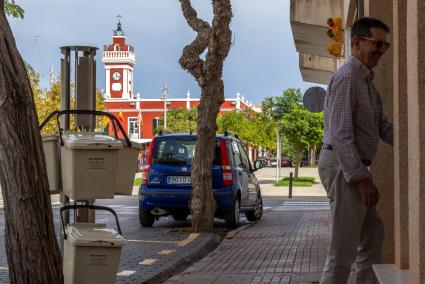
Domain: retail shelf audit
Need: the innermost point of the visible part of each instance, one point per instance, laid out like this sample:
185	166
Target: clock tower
119	60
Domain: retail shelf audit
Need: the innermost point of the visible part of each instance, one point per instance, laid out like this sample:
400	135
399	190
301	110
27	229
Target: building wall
415	46
151	109
383	163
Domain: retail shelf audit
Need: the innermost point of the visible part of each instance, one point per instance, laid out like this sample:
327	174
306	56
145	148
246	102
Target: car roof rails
230	134
164	132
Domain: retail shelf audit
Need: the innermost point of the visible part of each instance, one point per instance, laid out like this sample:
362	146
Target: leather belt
367	163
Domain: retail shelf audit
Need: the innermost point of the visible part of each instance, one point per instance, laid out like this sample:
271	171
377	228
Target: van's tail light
227	170
147	166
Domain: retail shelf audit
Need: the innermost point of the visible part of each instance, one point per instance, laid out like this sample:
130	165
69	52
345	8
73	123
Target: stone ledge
391	274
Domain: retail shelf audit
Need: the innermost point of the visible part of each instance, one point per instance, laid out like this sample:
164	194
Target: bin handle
57	112
95	112
94	207
114	120
46	120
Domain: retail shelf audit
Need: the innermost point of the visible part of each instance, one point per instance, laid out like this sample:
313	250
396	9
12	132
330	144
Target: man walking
354	122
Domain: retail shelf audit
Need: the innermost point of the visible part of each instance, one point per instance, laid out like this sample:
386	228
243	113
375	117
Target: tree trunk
297	163
202	203
32	250
217	39
313	155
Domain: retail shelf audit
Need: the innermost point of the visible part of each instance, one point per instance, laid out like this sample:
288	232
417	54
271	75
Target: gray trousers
357	232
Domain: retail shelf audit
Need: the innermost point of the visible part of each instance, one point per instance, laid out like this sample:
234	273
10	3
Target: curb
212	241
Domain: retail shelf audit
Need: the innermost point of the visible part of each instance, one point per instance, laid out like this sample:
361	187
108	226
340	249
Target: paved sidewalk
268	189
288	245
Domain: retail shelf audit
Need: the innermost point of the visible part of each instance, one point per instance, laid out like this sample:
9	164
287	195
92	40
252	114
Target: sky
262	61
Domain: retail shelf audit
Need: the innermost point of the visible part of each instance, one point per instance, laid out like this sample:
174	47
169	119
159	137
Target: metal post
165	90
360	9
165	111
277	156
66	85
280	153
84	93
290	185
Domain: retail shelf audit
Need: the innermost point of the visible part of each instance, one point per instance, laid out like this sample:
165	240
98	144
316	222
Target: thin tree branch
220	38
190	59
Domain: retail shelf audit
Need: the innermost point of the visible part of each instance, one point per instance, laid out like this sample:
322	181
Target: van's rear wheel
232	217
146	218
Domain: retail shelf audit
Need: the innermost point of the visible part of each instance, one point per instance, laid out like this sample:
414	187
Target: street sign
314	99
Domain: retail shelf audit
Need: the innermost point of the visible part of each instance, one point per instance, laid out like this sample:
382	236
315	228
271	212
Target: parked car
273	162
286	162
166	185
262	160
305	162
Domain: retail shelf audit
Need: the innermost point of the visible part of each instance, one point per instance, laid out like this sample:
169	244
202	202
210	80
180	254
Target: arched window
116	47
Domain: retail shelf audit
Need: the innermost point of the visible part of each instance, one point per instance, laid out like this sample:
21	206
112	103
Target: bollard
290	185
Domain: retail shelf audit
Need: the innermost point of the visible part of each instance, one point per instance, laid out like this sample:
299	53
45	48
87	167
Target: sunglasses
378	43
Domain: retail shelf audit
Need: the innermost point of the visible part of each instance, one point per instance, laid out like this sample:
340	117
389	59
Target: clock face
116	76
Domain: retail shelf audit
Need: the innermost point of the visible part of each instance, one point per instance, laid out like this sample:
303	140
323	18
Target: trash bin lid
134	145
90	140
93	235
46	138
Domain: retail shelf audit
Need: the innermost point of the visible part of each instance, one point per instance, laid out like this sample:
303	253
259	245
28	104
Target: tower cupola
119	60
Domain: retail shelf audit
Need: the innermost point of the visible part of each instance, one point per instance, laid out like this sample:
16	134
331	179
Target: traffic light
336	33
335	49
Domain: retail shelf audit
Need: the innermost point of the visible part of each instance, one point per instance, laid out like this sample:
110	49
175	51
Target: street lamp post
278	155
278	148
165	90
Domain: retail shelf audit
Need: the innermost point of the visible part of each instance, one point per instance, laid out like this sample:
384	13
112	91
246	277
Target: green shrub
137	181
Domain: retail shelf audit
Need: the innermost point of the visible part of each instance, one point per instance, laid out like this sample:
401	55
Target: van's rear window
178	150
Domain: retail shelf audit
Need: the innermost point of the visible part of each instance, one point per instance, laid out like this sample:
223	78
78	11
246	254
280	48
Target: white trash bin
51	154
89	165
91	254
127	167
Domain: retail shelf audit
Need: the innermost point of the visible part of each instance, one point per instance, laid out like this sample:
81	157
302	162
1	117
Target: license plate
179	180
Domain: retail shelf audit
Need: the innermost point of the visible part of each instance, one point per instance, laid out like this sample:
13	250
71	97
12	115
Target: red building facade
136	114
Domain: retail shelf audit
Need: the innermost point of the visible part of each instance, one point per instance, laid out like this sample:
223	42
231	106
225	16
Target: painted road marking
166	251
148	261
188	240
126	273
303	205
182	243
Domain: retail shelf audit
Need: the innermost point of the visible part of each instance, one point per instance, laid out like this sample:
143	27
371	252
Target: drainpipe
360	9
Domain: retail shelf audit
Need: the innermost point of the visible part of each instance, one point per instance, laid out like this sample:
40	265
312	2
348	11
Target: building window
155	124
133	128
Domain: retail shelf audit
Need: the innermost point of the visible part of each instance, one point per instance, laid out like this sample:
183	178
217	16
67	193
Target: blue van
166	187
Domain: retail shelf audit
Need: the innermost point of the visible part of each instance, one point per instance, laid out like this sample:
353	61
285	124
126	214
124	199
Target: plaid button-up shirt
354	120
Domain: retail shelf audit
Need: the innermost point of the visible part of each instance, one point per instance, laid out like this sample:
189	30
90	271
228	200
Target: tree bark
32	250
297	162
217	39
313	155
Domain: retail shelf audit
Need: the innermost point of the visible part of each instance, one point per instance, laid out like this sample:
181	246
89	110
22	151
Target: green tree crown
13	10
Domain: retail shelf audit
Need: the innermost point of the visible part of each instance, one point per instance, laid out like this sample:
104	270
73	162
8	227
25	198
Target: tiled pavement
286	246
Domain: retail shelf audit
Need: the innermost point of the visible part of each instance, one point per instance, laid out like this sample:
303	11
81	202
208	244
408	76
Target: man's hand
369	193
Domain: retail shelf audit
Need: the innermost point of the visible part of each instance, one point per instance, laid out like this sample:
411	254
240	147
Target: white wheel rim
258	207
